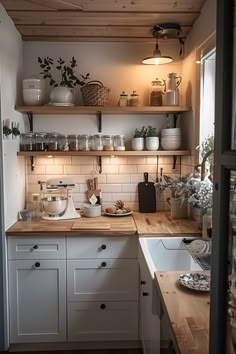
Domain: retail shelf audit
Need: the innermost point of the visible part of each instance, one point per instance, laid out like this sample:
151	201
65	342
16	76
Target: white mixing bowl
54	205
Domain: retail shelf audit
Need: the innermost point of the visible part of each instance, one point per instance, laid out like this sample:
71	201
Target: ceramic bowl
170	145
92	211
171	131
54	205
33	97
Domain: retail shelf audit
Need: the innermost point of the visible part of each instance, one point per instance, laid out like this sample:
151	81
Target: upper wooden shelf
104	110
105	153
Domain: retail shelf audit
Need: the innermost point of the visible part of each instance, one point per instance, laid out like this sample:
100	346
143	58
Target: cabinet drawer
102	321
102	247
102	280
36	248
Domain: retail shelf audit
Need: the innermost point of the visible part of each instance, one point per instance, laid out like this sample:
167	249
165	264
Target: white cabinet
149	320
102	288
37	290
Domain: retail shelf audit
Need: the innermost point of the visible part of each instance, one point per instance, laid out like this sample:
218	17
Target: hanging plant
6	130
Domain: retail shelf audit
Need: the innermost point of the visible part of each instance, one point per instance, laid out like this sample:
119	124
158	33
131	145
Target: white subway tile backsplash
129	188
54	170
118	178
87	169
147	168
128	168
38	170
72	169
118	160
106	197
83	160
151	160
110	187
43	160
110	169
120	196
61	160
136	160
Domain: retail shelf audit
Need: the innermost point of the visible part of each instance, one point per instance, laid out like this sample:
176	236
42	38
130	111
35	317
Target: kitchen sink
166	254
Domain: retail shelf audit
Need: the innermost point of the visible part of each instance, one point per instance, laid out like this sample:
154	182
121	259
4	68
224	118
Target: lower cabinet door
102	280
37	301
102	321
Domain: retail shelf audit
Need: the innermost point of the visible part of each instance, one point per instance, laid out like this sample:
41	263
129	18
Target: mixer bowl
54	205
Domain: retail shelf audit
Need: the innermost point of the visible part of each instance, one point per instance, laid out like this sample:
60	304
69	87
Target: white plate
61	104
195	281
125	214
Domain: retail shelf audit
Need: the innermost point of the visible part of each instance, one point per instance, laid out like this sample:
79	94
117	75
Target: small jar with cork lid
108	142
156	92
134	100
123	101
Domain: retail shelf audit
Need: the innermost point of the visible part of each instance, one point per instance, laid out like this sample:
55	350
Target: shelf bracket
99	116
30	117
176	115
99	159
174	162
32	163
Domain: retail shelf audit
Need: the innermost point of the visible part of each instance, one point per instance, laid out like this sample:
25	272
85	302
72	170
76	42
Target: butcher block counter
188	313
148	224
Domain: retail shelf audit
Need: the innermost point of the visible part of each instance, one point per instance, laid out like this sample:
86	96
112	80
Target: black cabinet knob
37	264
102	306
103	264
145	294
35	247
142	282
103	247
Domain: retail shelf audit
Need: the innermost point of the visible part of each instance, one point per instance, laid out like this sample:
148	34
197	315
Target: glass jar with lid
29	141
134	100
85	142
40	141
62	143
108	142
53	141
97	142
119	142
73	142
123	101
156	92
22	142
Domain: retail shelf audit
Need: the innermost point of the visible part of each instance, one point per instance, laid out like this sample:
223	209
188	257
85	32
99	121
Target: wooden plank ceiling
99	20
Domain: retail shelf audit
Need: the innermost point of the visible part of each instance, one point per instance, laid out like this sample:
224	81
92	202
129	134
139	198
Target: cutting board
146	196
88	225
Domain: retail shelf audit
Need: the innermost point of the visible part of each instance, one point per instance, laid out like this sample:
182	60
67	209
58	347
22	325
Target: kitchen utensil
147	196
59	208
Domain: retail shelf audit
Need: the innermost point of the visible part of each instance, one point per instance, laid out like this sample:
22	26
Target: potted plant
151	139
62	91
138	139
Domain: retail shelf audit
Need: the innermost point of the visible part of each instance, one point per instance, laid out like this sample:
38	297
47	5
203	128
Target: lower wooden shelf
106	153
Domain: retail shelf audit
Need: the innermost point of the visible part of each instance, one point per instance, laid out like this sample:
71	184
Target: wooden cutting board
146	196
89	225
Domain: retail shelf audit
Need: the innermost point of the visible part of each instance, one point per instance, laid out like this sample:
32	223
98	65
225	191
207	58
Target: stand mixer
59	207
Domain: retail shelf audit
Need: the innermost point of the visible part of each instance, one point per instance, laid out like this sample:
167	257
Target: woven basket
95	94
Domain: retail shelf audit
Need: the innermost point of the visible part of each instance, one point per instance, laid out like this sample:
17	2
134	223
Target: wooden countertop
148	224
188	313
111	225
160	223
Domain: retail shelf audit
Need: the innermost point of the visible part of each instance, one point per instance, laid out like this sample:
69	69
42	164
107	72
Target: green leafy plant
67	72
151	131
140	133
6	130
207	146
15	131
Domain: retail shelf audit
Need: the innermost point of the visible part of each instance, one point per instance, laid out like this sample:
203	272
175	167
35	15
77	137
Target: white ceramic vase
152	143
138	144
62	95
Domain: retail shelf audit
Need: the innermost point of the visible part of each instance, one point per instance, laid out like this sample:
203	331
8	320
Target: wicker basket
95	94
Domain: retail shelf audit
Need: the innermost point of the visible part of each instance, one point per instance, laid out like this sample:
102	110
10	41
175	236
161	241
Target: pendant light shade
157	58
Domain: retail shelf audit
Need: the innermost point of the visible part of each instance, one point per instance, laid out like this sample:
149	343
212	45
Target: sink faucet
203	164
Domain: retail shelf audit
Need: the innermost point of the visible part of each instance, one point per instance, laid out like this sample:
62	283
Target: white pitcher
173	82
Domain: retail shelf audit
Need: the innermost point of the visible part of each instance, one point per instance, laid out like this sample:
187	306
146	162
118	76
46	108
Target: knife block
97	193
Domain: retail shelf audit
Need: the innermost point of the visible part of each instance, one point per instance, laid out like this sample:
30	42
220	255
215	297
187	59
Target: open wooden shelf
105	153
47	109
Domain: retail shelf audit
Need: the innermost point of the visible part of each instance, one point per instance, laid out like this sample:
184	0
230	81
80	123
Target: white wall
11	73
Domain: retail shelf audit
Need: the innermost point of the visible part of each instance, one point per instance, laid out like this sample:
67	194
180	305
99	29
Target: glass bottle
62	143
73	142
123	101
53	141
156	92
108	142
134	99
119	142
40	141
29	141
22	142
97	142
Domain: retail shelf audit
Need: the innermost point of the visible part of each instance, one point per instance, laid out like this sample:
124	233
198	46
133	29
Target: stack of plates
171	138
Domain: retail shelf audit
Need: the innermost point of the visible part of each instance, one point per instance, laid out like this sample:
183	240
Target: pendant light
163	31
157	58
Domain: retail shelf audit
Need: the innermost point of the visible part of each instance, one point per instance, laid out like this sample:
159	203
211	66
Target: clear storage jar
62	143
119	142
123	101
97	142
53	141
73	142
29	142
156	93
40	141
85	142
134	100
108	142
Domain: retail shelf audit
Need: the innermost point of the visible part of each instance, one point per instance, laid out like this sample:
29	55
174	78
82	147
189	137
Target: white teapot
173	82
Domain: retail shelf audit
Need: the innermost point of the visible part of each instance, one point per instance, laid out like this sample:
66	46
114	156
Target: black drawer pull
145	294
37	264
35	247
102	306
103	264
103	247
142	282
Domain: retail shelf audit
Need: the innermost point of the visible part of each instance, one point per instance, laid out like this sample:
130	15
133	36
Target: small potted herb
138	139
62	91
151	139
